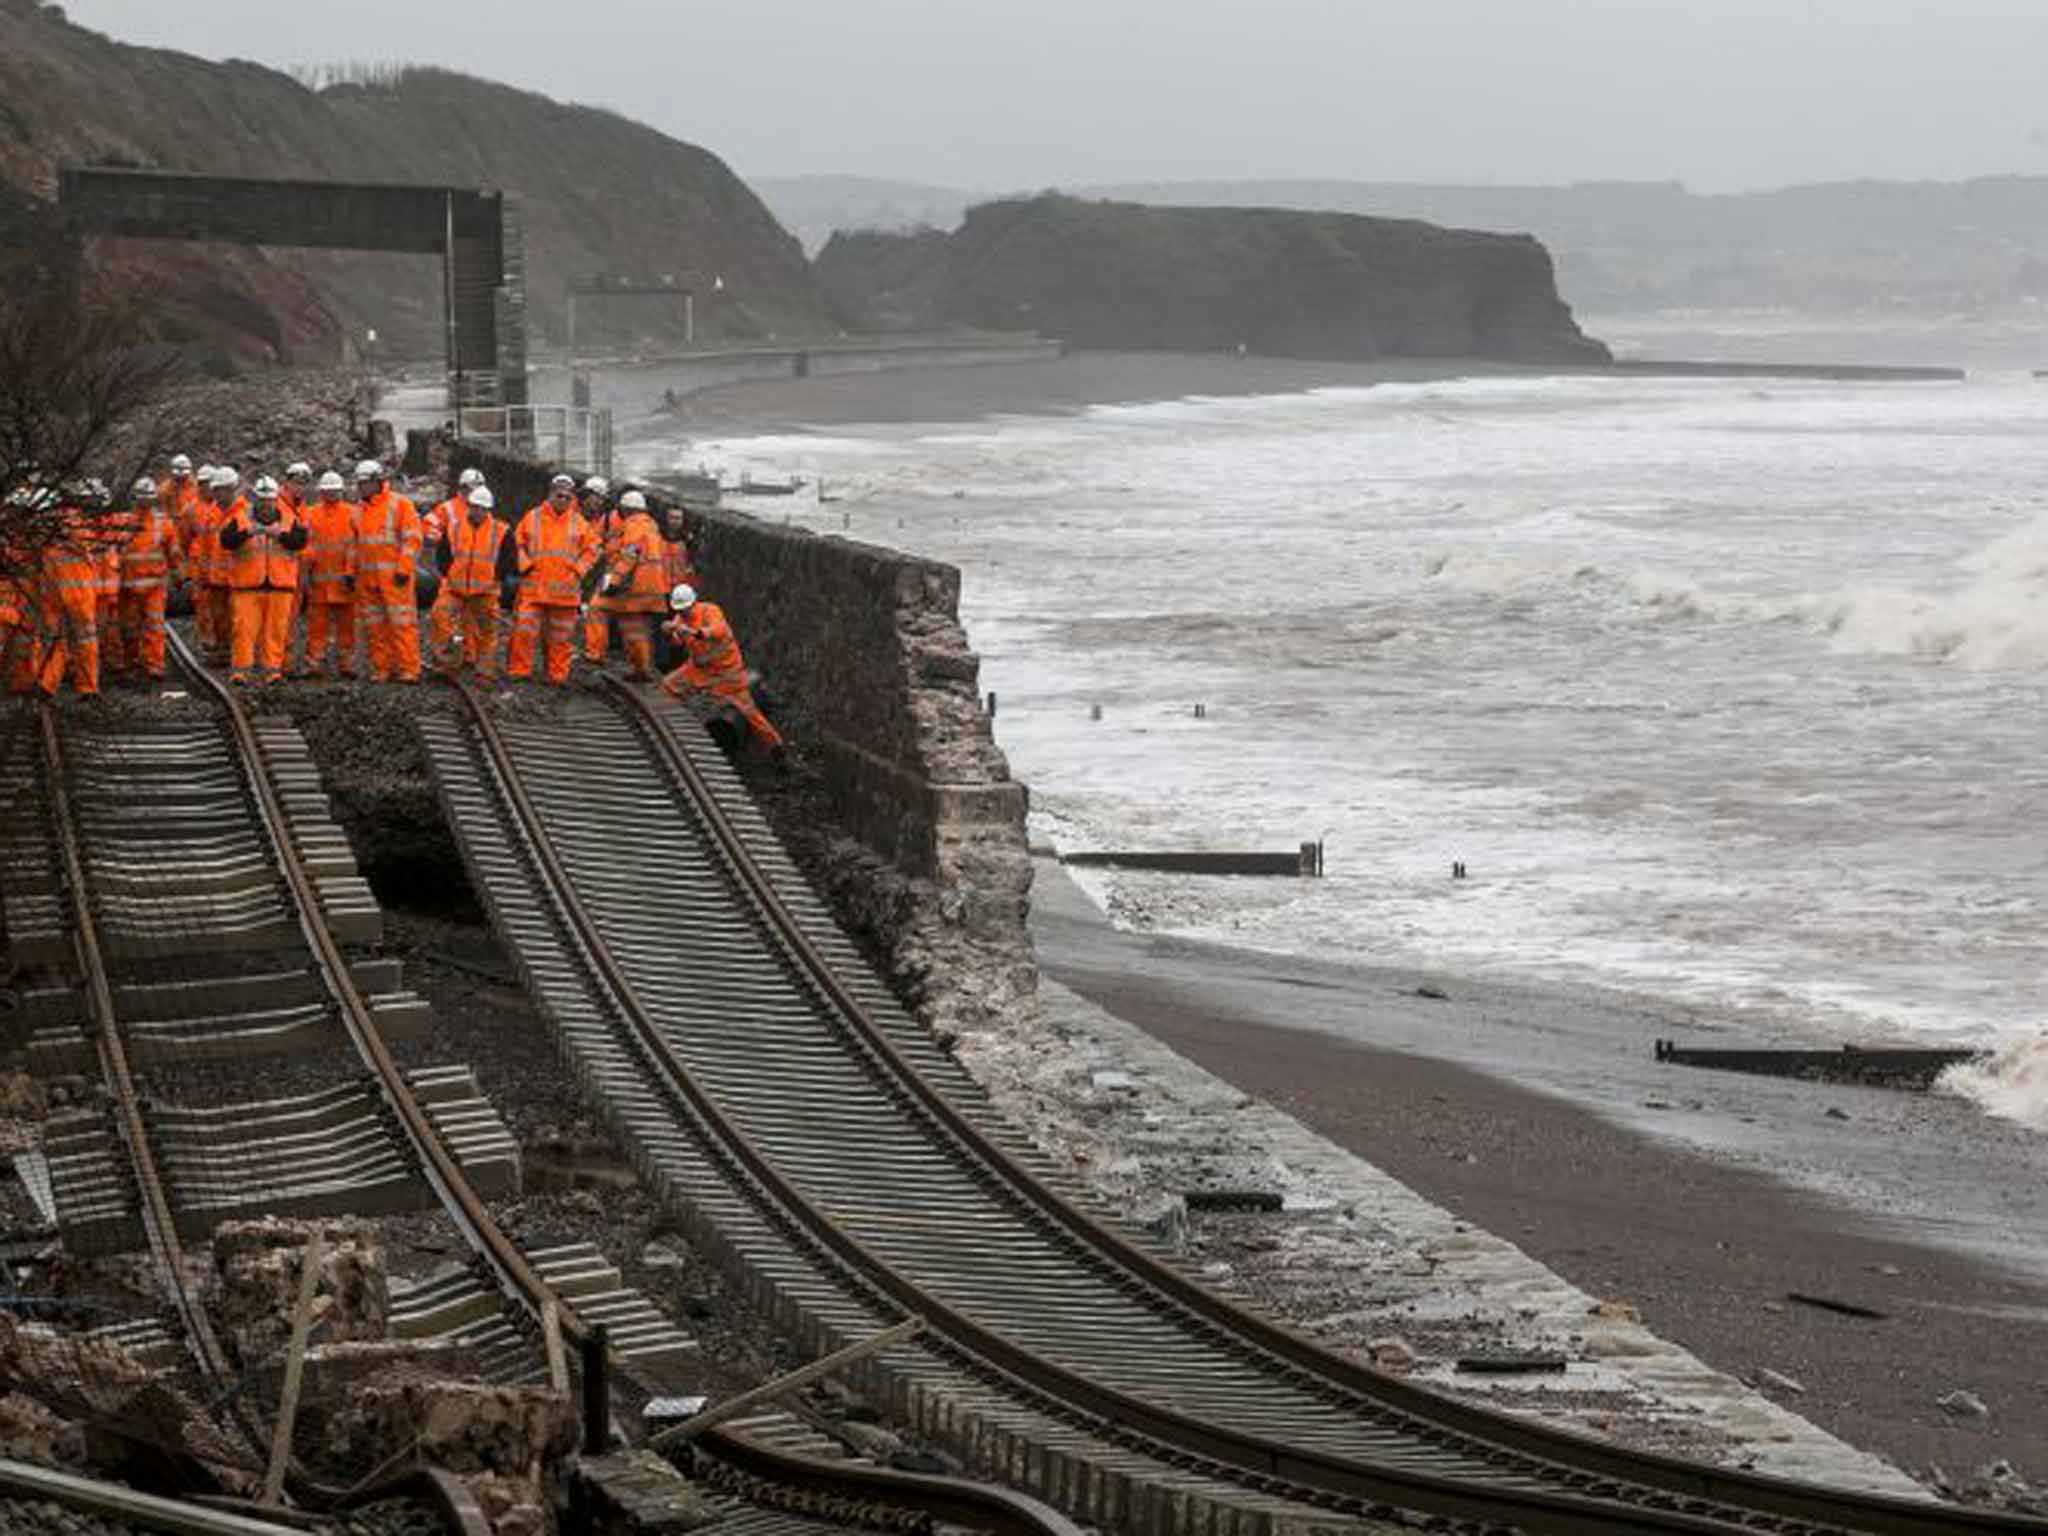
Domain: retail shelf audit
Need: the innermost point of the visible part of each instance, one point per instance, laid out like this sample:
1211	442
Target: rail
517	1279
1591	1486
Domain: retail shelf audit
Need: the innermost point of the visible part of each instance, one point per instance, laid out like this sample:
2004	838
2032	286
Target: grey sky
1723	94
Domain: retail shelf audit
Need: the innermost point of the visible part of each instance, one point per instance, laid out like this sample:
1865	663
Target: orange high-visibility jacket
677	563
151	555
218	565
387	545
473	553
263	556
714	653
72	560
330	558
556	551
638	567
179	497
110	531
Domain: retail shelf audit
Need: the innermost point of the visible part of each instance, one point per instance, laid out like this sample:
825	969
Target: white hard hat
369	469
562	483
482	497
632	501
224	476
181	464
206	474
597	485
143	486
681	596
332	481
468	478
298	469
265	488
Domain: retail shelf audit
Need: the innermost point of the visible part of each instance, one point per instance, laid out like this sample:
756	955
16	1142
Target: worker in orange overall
715	665
606	522
633	587
433	533
387	545
21	590
206	564
150	559
475	557
262	544
70	598
556	548
678	569
327	578
110	531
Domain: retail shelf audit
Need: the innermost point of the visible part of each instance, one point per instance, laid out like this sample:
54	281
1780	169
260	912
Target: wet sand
1707	1248
1056	386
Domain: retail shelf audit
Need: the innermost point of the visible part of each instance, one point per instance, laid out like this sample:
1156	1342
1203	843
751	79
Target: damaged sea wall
864	653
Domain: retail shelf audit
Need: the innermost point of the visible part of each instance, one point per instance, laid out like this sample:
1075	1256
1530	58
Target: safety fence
577	438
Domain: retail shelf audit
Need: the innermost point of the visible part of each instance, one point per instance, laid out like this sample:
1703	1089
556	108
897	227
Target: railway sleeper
331	1153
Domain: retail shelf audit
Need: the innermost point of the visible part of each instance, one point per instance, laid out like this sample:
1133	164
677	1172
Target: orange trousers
215	605
727	688
331	624
636	635
19	662
71	638
391	625
139	632
477	615
597	625
553	628
260	624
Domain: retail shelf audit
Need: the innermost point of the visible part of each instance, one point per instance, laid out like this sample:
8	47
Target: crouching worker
261	544
715	665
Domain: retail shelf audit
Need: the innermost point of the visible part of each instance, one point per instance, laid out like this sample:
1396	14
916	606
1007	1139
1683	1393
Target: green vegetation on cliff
1291	284
599	193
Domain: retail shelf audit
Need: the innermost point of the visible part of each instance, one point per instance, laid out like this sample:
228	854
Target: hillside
1281	283
599	193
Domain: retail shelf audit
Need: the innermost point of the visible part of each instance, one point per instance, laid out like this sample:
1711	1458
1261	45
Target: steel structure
475	232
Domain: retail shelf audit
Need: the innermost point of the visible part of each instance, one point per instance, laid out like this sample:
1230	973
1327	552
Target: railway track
783	1486
847	1173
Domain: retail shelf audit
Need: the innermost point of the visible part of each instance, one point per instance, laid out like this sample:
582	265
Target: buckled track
782	1490
848	1172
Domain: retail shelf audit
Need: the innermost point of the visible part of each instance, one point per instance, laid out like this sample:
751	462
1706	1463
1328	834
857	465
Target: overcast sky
1722	94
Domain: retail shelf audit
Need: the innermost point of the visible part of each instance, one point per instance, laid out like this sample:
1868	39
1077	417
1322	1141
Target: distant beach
1055	387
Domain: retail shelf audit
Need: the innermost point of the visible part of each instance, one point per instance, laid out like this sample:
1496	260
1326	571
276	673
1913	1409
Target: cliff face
599	194
1124	276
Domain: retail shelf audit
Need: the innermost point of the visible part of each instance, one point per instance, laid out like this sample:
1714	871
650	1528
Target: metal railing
576	437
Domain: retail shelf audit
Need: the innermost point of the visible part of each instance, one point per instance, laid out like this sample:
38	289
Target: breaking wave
2012	1083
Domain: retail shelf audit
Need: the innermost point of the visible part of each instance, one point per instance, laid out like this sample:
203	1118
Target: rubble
258	1263
498	1438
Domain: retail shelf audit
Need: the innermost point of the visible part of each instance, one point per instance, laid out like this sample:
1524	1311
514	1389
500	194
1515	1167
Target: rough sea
1730	692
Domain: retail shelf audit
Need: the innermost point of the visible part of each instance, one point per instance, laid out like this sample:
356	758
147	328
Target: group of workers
256	559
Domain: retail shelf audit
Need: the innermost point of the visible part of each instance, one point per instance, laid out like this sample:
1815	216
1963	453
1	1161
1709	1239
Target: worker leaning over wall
387	545
327	576
557	548
475	556
715	665
634	587
262	543
151	558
